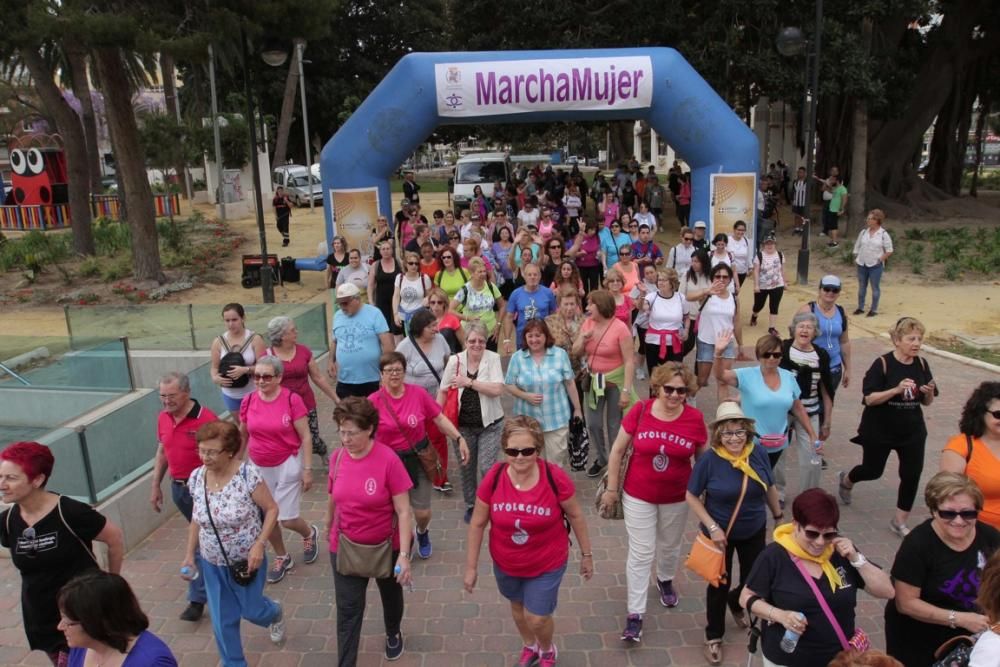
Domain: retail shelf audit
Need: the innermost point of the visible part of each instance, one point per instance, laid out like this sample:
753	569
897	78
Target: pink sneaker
548	659
529	657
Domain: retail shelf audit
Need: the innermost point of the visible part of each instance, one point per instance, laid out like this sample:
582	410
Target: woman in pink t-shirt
369	504
405	413
274	424
665	434
300	368
528	503
605	343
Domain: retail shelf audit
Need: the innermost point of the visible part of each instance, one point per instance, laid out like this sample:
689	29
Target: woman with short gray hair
299	369
478	375
811	365
274	427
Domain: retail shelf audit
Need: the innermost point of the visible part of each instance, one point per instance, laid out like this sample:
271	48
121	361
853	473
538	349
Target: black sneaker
193	612
596	469
394	647
858	311
824	465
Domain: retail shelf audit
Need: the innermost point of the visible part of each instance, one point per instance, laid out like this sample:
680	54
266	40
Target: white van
482	169
299	184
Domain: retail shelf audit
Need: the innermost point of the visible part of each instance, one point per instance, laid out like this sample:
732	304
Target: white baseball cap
347	290
700	225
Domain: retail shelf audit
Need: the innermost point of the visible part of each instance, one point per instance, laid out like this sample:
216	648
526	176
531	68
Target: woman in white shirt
667	321
871	250
739	249
696	279
410	291
644	217
986	652
719	312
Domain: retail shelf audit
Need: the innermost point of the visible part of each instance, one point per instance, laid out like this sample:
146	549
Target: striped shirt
799	193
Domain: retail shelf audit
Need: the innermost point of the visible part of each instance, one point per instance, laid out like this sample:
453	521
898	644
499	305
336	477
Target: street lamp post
300	46
791	42
266	285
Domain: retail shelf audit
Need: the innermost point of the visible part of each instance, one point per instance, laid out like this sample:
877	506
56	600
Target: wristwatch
860	561
405	554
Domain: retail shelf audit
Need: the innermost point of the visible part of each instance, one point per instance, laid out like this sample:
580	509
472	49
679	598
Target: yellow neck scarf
741	462
783	536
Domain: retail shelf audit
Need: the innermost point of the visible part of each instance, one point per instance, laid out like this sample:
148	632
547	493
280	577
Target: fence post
194	341
128	362
69	326
88	469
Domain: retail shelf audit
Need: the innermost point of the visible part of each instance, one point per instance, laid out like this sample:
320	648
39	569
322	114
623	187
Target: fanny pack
774	441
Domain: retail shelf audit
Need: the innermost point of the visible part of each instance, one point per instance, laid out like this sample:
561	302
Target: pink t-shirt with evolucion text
662	452
527	534
362	491
271	425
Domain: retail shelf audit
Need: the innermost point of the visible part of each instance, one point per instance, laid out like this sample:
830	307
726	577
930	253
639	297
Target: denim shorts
539	595
706	352
232	404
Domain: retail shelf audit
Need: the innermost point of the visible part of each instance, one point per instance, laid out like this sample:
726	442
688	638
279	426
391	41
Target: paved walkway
445	626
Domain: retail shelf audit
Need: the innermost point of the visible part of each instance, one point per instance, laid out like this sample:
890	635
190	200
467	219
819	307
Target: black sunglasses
514	452
833	290
815	535
951	515
770	355
669	389
995	413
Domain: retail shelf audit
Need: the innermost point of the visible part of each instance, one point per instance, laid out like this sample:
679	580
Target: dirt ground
968	306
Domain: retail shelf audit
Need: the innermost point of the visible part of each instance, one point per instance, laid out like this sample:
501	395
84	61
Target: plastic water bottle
816	458
397	570
189	573
791	638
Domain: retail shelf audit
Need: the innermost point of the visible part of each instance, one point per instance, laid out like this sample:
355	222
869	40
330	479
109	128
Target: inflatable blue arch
425	90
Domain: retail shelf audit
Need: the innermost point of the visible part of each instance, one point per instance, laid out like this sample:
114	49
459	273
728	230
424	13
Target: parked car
299	184
482	169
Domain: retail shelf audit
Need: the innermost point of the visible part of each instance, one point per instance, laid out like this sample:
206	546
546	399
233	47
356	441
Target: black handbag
240	570
955	652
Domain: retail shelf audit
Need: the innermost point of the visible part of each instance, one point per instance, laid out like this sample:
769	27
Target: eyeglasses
347	435
208	453
833	290
555	246
951	515
395	370
738	433
670	389
995	413
436	302
813	535
265	377
770	355
514	452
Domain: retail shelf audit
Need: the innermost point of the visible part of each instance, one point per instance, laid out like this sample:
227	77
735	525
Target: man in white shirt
529	214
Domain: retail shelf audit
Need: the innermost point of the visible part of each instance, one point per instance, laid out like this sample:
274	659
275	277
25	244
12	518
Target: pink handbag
859	640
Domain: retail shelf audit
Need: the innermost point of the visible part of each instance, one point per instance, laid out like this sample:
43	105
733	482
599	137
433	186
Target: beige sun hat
730	410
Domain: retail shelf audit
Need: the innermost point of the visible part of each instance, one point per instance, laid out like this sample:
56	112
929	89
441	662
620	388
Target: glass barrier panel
122	444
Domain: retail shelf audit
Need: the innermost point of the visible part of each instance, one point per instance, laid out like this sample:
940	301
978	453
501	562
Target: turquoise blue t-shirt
610	244
768	407
358	345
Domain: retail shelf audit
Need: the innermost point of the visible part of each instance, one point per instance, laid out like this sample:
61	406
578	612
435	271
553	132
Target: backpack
234	358
552	485
490	287
840	309
781	260
449	337
423	282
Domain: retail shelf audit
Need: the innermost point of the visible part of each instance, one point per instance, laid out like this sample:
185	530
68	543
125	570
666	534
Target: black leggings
718	598
591	277
911	463
760	297
350	595
653	356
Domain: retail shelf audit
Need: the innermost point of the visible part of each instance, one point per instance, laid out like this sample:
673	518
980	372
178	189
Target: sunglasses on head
770	355
28	545
670	389
833	290
514	452
951	515
814	535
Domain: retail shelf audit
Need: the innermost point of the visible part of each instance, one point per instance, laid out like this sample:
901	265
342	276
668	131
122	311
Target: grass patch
956	347
950	251
438	185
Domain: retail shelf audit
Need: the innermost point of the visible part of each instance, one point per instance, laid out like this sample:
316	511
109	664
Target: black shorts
830	221
799	210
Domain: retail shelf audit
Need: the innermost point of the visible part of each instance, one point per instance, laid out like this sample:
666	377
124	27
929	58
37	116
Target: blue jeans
182	499
228	602
873	275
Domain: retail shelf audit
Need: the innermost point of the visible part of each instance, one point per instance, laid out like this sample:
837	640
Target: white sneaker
277	627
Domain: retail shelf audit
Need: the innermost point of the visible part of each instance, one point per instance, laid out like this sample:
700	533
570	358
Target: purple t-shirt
148	651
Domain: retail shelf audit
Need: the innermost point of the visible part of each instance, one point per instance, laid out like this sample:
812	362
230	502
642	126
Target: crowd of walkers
526	298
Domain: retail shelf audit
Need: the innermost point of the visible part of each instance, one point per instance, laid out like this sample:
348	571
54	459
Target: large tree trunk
857	202
77	57
951	134
131	164
74	145
287	111
984	112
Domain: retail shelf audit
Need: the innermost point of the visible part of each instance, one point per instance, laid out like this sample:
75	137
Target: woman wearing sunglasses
810	557
937	572
553	257
452	277
832	335
65	526
382	283
665	434
530	506
713	491
975	451
409	291
274	424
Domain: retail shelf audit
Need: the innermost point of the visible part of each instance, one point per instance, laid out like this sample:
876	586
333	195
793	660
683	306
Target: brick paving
445	626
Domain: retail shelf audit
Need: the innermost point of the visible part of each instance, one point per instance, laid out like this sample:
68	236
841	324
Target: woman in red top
527	502
300	367
665	434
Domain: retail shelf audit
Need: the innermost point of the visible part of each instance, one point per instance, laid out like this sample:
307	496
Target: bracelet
952	617
586	554
714	527
405	554
860	562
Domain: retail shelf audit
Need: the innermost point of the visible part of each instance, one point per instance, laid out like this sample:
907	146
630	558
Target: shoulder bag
240	570
361	560
706	559
615	510
859	640
451	396
426	456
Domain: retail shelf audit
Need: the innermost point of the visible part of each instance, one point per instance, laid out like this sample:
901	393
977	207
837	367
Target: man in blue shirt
360	336
530	302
